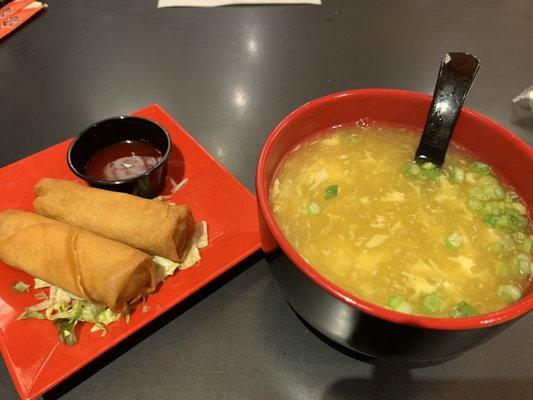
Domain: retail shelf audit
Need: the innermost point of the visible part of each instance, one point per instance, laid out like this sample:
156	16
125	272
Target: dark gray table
229	75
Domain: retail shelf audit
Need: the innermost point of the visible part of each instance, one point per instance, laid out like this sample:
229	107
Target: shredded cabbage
98	327
40	296
66	331
20	287
200	235
40	284
65	309
165	267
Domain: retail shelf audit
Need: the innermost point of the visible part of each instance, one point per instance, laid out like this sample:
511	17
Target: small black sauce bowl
114	130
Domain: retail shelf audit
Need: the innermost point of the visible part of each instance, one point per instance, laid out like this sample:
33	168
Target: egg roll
101	270
158	228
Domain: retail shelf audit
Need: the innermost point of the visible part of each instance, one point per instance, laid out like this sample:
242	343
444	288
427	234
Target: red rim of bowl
520	308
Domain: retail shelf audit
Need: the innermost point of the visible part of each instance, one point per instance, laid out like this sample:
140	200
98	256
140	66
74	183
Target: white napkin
216	3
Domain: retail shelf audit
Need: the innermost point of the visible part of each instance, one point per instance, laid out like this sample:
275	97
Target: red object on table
35	358
15	14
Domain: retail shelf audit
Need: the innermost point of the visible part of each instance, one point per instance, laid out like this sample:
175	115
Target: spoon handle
457	71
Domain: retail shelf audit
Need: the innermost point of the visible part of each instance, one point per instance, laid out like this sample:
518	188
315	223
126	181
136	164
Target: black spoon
457	71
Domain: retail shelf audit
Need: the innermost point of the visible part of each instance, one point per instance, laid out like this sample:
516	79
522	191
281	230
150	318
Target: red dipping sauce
123	160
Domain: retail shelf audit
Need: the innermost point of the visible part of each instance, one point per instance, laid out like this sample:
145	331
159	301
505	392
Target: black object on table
456	74
229	75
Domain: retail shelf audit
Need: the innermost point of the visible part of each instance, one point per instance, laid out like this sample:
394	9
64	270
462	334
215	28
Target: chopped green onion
463	309
494	192
490	208
493	220
474	204
426	171
20	287
511	196
397	303
313	208
503	222
453	241
470	178
510	293
480	167
480	194
431	303
433	173
458	175
510	221
487	180
441	178
498	192
518	222
413	169
519	207
405	308
331	192
523	264
519	237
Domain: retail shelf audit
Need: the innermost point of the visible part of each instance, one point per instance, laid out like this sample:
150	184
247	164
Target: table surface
229	75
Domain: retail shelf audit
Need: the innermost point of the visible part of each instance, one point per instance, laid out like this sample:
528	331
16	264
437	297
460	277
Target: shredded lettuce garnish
65	309
66	331
99	328
200	235
127	316
40	284
165	267
40	296
32	314
20	287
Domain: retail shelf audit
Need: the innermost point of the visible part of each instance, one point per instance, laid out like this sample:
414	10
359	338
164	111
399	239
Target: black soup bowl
115	130
355	324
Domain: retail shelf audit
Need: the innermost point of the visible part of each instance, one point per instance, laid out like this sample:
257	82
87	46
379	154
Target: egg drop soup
454	242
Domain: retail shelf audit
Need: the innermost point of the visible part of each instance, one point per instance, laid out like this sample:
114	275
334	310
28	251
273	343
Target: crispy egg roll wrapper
155	227
104	271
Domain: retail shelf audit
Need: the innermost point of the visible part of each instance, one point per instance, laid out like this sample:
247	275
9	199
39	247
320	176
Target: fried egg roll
158	228
101	270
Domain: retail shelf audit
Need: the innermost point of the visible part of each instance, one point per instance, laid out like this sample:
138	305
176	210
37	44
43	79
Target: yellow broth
412	238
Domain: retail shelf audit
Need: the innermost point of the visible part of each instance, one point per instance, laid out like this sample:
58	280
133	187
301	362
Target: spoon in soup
456	74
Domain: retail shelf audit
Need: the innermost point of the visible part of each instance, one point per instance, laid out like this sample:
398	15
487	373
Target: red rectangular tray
36	360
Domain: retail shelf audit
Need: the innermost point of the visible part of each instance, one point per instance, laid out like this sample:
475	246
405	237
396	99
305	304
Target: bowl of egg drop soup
390	259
